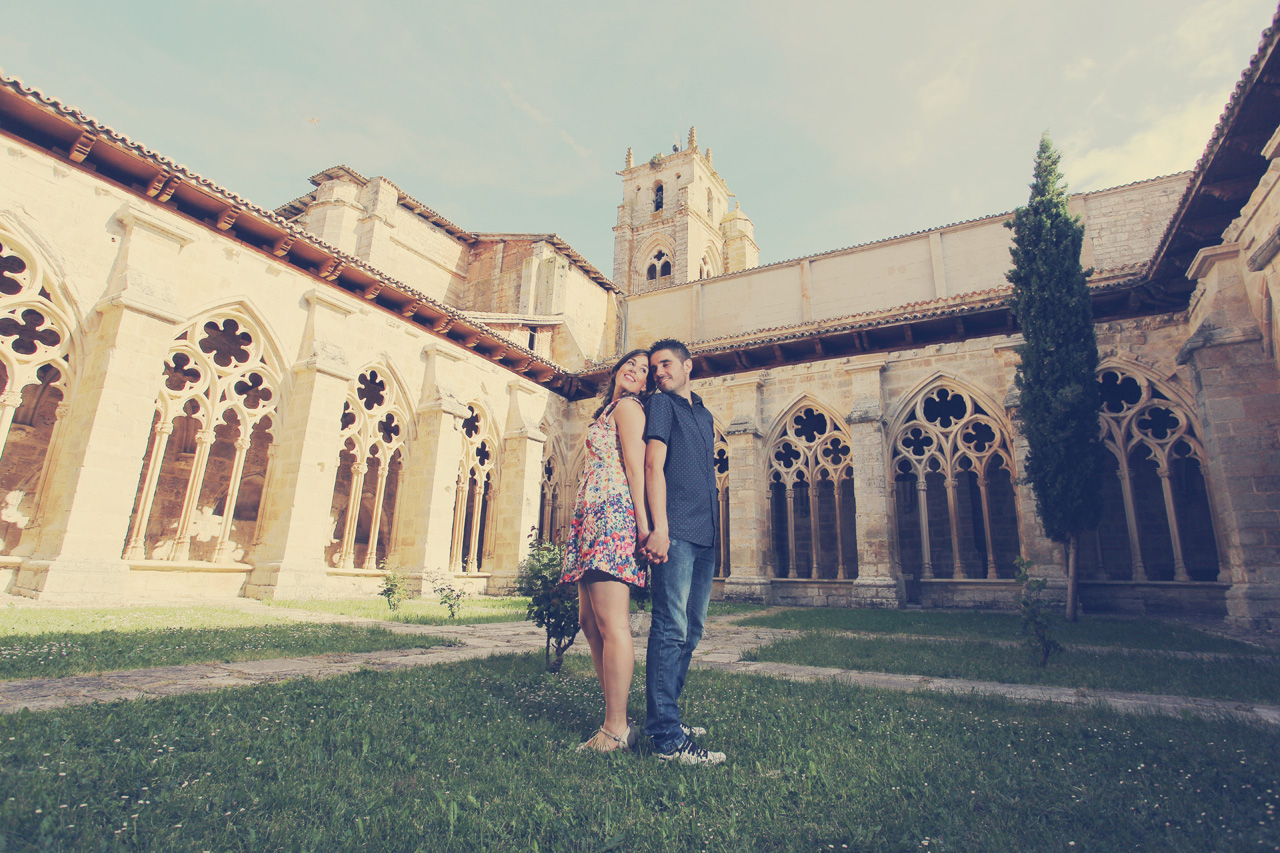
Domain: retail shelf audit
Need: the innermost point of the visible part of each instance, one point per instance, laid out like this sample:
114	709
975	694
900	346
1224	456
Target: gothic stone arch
1157	521
373	432
214	424
476	490
37	349
951	458
811	494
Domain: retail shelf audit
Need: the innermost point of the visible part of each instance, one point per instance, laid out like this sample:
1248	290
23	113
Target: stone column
93	480
515	513
289	562
879	581
750	546
429	478
1238	396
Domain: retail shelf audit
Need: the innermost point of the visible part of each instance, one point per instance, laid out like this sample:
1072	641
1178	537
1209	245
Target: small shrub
552	605
395	589
450	597
1039	620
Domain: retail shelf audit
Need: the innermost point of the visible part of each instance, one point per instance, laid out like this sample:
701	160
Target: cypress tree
1056	379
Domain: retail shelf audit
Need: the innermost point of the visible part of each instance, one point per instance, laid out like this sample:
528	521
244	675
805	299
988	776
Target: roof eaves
340	260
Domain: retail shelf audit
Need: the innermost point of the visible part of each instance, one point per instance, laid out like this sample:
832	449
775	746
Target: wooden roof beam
228	218
81	147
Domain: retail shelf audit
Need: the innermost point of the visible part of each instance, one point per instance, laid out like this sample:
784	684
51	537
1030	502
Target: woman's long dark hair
613	381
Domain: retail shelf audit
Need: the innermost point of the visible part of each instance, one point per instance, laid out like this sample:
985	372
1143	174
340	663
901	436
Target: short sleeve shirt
688	431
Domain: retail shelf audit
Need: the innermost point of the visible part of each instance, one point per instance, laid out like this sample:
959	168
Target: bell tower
675	224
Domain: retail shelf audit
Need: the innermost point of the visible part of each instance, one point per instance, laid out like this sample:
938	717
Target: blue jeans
680	594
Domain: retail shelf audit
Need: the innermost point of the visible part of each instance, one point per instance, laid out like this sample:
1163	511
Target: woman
610	523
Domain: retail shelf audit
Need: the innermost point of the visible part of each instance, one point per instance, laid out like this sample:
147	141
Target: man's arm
655	486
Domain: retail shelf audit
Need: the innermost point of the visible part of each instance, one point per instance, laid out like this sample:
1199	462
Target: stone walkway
721	649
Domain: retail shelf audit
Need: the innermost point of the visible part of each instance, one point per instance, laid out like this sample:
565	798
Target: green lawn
475	609
43	642
1255	679
1134	633
479	756
418	611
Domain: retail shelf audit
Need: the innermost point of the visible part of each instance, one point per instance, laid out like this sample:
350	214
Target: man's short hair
678	349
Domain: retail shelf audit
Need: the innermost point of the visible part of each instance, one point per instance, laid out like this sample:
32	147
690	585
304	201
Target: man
680	485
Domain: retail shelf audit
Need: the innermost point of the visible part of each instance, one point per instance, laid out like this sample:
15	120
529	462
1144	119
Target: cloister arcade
950	459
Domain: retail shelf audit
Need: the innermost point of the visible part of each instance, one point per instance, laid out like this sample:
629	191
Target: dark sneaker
690	753
692	731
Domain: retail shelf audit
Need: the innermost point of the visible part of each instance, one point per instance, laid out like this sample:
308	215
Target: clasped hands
653	545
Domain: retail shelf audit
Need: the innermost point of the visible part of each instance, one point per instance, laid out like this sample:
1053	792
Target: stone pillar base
69	582
1254	606
879	592
271	582
749	590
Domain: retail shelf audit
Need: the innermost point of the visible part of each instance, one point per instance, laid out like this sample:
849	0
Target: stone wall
1122	226
133	278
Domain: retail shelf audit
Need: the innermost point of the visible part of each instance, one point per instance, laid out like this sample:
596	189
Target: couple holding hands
648	491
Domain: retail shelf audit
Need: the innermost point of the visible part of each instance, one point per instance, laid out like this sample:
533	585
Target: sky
834	123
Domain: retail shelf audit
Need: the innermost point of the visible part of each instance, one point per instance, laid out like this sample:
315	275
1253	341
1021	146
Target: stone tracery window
477	482
953	468
706	269
207	459
35	356
720	459
811	495
558	492
659	266
1156	521
373	430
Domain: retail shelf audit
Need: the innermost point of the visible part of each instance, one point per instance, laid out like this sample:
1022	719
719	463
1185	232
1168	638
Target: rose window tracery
812	496
953	466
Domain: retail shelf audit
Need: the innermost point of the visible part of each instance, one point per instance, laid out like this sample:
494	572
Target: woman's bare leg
590	629
611	610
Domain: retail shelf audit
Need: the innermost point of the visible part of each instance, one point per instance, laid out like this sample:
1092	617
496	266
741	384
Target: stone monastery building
203	398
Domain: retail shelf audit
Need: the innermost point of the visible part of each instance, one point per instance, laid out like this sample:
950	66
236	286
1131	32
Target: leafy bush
553	605
450	597
395	589
1039	621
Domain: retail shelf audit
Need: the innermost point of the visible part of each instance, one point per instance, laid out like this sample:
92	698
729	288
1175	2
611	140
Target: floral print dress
602	535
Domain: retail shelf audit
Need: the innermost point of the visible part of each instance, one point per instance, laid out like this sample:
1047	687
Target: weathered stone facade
202	398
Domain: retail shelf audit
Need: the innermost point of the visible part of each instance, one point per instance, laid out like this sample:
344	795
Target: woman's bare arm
629	420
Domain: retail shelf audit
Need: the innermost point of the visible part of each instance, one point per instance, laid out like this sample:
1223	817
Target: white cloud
1079	68
947	93
1169	143
1204	38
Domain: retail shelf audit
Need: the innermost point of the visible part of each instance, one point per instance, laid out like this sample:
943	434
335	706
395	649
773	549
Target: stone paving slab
1130	702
